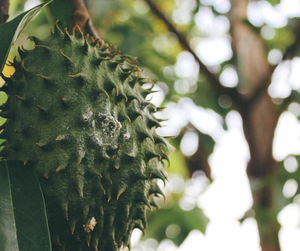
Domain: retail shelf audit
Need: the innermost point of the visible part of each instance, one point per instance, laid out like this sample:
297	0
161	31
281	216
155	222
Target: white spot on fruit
126	135
87	115
109	124
90	226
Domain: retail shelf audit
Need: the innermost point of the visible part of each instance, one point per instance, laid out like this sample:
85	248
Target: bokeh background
204	55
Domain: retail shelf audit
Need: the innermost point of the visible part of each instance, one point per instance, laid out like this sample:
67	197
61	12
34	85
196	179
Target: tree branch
81	17
213	79
4	6
261	89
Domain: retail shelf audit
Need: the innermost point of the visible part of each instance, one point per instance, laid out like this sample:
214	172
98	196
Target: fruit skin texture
77	113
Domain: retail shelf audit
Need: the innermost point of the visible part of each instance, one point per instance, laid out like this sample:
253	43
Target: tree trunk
259	122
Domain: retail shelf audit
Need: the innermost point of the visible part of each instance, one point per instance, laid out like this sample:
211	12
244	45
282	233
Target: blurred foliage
177	164
16	7
205	97
175	224
274	2
286	175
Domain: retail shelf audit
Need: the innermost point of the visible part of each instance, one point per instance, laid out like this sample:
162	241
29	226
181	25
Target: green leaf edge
4	165
44	209
5	173
18	24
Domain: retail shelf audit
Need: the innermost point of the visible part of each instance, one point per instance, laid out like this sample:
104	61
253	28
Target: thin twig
81	17
212	78
4	7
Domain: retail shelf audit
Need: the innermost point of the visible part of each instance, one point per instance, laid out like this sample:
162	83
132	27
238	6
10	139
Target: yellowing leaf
7	72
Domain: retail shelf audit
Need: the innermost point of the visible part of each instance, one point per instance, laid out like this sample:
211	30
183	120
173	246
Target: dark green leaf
23	220
207	142
8	237
61	10
12	29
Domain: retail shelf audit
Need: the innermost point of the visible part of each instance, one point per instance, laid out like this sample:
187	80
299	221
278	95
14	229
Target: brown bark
259	121
267	245
4	7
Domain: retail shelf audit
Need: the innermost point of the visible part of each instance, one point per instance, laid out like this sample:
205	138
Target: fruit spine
77	112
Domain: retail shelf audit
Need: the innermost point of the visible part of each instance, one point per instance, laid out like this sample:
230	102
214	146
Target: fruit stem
81	17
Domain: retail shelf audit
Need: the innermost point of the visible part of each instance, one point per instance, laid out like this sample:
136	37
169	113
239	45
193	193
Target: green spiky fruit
77	112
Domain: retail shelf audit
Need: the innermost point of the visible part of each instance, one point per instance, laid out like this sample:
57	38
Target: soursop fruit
77	112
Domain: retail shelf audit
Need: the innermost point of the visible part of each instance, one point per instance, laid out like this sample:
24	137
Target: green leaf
274	2
23	220
178	164
16	7
60	10
12	29
175	224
